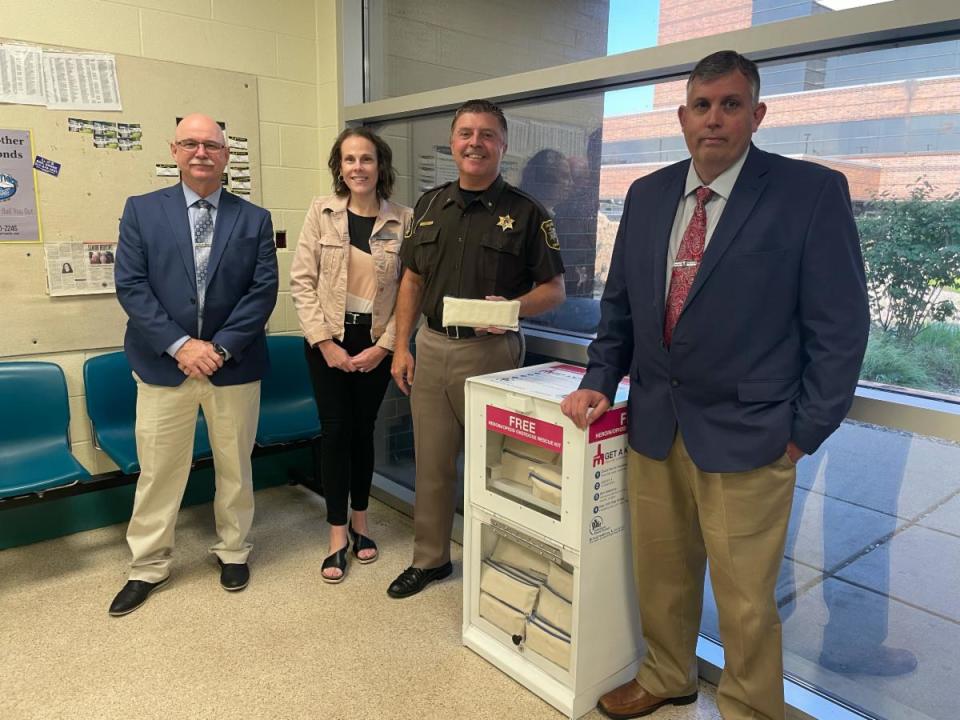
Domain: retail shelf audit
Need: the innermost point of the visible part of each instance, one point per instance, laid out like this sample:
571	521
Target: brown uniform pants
437	405
680	517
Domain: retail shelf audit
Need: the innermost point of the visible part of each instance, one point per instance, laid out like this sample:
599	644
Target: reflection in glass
415	45
867	589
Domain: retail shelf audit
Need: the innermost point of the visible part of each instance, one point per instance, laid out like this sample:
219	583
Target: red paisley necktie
687	263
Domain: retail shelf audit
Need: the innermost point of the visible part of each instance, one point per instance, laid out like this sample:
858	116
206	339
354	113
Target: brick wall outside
688	19
862	102
868	174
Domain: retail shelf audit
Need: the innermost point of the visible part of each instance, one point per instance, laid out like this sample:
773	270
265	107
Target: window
419	45
872	552
872	546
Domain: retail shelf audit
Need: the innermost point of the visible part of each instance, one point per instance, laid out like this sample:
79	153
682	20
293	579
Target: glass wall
890	121
874	541
865	589
896	140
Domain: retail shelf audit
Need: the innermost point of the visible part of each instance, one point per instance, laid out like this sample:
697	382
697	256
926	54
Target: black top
360	229
499	243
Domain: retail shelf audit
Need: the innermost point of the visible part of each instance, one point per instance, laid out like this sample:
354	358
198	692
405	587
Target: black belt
352	318
453	331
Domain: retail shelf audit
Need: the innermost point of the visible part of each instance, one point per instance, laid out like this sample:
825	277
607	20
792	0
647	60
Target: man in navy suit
196	272
736	303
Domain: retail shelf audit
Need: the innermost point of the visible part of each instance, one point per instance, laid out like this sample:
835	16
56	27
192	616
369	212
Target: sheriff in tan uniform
476	238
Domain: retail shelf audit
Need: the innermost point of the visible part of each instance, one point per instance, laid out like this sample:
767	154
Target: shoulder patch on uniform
550	234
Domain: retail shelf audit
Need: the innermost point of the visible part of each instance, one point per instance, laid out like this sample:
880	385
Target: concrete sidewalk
873	562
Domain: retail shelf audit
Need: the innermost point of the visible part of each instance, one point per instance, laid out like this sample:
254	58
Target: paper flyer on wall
130	136
105	134
240	179
19	218
75	268
21	74
81	81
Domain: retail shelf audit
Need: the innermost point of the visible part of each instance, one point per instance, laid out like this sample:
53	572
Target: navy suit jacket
769	345
157	287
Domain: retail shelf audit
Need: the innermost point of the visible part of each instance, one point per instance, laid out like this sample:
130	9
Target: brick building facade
864	123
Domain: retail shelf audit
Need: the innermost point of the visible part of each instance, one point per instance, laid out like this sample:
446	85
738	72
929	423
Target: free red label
610	424
569	368
526	428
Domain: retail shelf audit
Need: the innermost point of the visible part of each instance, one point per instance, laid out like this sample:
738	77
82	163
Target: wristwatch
220	350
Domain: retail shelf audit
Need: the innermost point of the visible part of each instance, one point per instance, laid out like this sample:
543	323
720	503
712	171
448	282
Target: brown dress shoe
630	700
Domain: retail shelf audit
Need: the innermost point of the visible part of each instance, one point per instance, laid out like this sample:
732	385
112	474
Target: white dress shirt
722	186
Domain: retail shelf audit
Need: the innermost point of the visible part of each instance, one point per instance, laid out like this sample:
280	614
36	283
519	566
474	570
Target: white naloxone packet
461	312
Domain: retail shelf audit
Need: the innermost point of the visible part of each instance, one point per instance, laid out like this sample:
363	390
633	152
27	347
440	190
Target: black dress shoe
233	576
414	579
133	595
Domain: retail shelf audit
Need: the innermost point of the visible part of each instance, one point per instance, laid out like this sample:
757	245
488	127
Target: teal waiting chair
288	412
112	409
34	423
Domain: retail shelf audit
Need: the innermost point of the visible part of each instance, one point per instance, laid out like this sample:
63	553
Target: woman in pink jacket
344	280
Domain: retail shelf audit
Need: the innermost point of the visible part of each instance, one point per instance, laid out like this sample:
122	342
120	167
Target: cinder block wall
290	45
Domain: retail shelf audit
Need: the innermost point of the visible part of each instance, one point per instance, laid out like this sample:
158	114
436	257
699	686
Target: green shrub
893	362
937	349
911	251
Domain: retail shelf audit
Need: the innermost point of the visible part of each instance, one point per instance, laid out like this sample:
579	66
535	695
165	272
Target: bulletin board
83	204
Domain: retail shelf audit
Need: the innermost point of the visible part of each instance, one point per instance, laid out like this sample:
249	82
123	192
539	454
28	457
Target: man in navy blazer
749	362
196	272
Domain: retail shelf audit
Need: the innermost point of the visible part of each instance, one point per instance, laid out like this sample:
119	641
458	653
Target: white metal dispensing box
548	584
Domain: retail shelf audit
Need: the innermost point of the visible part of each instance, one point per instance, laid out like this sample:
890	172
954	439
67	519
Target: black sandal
337	560
362	542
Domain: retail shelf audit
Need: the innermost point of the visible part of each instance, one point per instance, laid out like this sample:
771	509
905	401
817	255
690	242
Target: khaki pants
436	403
166	420
680	517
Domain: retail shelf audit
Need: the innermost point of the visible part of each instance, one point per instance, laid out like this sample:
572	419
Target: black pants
347	404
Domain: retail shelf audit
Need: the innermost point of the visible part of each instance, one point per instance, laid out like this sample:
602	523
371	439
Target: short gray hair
723	63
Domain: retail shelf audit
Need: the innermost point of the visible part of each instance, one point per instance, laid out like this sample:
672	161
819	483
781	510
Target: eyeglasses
194	145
